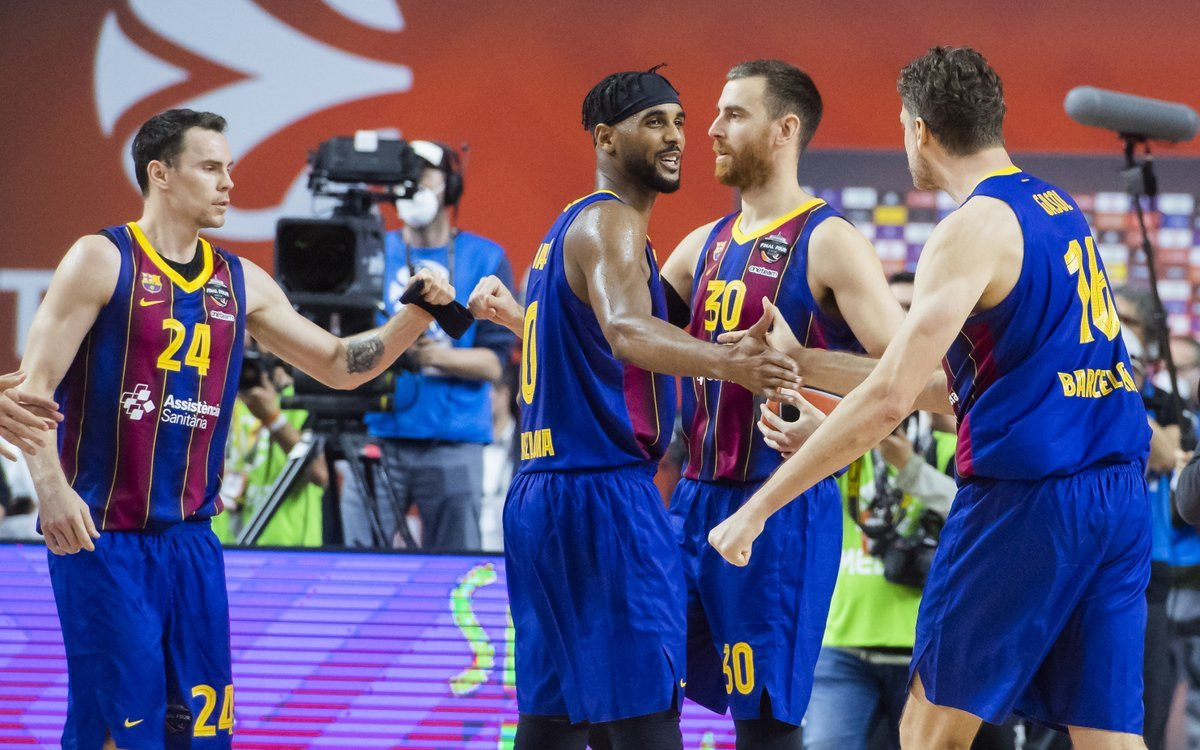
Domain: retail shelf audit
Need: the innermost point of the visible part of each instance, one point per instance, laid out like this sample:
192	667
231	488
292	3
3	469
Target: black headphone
446	159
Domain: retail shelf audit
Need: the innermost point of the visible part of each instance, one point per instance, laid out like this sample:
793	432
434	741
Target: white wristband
277	424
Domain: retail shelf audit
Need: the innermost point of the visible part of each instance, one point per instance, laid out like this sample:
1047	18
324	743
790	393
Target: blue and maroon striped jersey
149	396
581	407
733	273
1041	382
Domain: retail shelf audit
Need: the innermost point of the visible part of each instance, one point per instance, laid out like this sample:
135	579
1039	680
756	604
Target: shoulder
93	256
602	222
260	286
982	223
834	230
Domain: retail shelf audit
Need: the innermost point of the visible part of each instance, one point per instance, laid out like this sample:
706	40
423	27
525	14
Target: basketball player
755	632
22	416
141	331
594	574
1036	601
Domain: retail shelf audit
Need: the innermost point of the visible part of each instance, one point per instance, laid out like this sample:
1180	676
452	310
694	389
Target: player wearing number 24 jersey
141	333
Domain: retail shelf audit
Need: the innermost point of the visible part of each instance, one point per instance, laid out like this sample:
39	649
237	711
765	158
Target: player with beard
755	632
594	575
1036	599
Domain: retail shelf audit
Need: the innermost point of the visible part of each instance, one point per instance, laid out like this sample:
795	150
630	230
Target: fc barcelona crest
772	247
718	249
151	282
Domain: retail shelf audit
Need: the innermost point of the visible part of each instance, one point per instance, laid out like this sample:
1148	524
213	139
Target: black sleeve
679	312
5	492
1187	491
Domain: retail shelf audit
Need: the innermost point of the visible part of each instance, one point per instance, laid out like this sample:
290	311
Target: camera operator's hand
430	351
896	448
782	435
491	300
262	399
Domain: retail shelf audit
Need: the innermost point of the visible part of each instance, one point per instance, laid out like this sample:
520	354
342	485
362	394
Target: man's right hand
23	416
491	300
66	521
752	363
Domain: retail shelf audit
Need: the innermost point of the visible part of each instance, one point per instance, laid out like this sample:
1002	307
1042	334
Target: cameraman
1170	547
432	440
261	435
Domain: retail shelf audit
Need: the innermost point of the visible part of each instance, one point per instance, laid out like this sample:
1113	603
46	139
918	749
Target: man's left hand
734	537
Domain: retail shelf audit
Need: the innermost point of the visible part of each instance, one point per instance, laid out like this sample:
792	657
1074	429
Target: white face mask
420	210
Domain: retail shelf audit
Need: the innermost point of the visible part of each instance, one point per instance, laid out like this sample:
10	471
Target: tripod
330	437
1140	181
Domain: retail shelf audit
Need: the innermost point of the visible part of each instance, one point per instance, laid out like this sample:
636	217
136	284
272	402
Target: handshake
764	358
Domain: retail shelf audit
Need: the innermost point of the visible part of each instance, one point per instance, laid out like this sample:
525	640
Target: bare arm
842	263
473	363
680	268
606	265
956	268
80	287
337	362
23	416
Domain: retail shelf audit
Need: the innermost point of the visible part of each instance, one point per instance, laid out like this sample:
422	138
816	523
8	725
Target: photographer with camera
432	439
261	436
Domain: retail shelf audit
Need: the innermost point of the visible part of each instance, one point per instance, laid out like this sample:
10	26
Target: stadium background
364	650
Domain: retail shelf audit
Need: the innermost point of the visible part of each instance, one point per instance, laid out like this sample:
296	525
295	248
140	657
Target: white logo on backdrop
288	76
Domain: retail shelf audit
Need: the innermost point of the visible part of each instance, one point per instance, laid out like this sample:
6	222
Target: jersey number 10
1099	312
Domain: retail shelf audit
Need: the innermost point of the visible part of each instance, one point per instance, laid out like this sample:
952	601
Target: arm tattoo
363	354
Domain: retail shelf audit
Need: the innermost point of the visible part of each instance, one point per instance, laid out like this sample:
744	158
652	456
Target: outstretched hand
491	300
23	416
756	365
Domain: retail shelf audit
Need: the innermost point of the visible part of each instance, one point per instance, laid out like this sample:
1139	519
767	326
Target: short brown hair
161	139
790	91
958	95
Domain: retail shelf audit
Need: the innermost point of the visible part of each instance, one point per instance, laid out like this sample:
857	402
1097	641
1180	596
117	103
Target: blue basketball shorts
596	590
758	628
1036	602
145	623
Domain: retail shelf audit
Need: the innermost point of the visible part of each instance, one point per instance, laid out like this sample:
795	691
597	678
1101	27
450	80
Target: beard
745	169
647	173
922	175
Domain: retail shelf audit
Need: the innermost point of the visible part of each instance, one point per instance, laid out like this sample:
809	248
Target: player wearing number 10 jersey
1035	602
594	574
141	333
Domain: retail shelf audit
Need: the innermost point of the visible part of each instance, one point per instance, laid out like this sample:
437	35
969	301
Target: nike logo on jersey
129	723
148	302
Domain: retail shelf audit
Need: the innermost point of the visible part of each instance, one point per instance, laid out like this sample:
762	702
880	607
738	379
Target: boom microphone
1131	115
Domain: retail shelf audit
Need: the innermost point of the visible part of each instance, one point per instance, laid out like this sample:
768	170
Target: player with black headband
594	576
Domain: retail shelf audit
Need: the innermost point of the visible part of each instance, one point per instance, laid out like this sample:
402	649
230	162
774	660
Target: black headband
646	90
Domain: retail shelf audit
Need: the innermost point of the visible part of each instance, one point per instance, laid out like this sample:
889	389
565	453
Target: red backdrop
508	79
